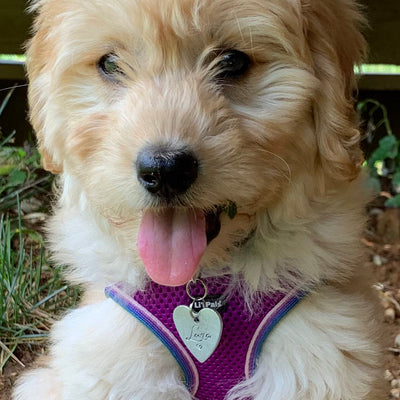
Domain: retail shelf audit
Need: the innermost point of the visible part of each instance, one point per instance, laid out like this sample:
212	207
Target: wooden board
12	71
383	35
14	26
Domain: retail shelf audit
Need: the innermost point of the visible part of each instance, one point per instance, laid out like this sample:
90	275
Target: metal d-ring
196	298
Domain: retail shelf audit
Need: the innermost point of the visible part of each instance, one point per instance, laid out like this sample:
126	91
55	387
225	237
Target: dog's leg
101	352
324	350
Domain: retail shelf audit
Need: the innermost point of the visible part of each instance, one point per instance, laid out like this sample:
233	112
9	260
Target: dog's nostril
150	180
165	172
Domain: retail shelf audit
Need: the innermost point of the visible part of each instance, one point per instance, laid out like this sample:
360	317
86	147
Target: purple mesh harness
243	335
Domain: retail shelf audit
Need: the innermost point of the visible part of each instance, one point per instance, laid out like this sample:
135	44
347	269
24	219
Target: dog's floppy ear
39	54
332	30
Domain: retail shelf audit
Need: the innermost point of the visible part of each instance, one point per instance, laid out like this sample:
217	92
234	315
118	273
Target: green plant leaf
396	181
380	168
6	169
21	153
388	148
16	178
35	236
396	178
393	202
374	184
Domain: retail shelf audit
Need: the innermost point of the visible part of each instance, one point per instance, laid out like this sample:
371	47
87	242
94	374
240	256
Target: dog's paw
38	384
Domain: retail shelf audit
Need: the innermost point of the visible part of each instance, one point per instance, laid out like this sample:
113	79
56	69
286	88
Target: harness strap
243	336
120	295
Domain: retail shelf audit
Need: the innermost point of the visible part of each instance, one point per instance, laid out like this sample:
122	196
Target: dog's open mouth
172	241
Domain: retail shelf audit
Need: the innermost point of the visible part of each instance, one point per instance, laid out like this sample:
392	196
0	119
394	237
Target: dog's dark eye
233	63
108	65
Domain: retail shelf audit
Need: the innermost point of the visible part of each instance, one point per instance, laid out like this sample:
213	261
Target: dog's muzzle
173	235
167	173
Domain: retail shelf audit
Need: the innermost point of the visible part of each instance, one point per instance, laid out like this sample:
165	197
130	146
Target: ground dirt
382	246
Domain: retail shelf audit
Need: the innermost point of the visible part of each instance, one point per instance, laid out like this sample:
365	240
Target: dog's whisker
288	176
251	43
239	28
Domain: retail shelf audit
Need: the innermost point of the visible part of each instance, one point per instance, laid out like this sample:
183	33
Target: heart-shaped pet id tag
200	331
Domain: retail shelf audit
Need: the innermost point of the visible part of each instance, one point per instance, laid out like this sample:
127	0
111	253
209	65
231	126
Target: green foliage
388	149
17	168
384	162
31	292
20	170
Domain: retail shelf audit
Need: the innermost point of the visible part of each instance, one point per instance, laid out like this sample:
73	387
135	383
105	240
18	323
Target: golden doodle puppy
210	201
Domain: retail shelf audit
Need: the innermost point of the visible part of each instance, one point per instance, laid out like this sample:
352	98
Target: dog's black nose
166	173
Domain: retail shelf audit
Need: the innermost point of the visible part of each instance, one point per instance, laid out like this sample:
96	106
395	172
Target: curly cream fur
280	142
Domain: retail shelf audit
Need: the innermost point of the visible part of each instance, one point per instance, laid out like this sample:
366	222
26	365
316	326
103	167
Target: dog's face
192	116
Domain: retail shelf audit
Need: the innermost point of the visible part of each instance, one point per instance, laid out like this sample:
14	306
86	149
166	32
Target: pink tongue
171	244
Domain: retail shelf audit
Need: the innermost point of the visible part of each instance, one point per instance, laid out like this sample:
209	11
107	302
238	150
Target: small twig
394	350
10	354
24	188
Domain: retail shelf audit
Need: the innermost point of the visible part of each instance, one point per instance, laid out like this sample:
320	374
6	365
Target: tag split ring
196	298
